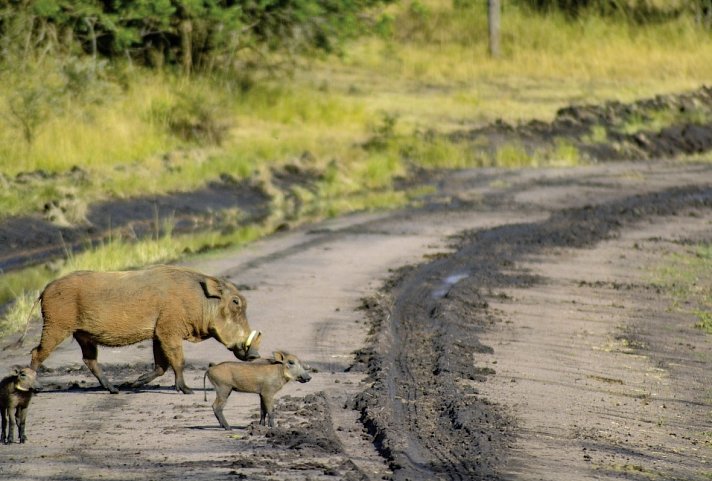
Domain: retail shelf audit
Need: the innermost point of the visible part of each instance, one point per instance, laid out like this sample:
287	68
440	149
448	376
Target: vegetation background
118	99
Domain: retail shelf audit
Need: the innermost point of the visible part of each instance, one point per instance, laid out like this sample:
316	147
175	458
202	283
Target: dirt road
524	342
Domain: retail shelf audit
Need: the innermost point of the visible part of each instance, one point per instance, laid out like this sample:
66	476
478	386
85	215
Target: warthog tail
20	341
205	391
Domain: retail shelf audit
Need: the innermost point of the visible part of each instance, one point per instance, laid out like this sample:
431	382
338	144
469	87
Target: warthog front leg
222	393
10	426
160	366
21	418
266	410
90	353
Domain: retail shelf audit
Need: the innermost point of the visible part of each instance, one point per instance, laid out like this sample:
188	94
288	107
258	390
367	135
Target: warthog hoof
184	389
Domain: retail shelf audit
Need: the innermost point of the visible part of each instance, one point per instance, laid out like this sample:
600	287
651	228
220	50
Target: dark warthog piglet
16	391
168	304
263	378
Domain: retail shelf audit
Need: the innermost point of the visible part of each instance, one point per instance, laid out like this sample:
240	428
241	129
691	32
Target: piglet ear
278	357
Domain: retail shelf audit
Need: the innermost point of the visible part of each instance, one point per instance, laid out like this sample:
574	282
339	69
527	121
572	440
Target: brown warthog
165	303
263	378
16	391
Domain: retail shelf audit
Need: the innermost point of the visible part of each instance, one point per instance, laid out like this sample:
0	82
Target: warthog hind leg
48	343
89	355
266	410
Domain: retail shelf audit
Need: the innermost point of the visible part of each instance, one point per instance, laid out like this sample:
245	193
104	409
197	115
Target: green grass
657	120
687	277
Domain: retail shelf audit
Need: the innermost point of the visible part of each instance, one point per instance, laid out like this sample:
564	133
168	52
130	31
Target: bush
203	34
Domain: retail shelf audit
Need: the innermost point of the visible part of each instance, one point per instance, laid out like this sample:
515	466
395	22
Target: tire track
437	426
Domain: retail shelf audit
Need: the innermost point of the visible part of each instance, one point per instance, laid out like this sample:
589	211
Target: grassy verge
687	276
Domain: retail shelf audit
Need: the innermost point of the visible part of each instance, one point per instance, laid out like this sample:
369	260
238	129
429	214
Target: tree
192	34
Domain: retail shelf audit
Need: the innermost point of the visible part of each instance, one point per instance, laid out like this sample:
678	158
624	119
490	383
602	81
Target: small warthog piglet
260	377
16	391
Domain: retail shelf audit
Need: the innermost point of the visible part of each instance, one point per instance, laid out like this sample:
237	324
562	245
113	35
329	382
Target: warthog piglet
16	391
260	377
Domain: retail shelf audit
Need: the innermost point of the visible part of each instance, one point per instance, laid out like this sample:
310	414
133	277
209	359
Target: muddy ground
526	340
509	328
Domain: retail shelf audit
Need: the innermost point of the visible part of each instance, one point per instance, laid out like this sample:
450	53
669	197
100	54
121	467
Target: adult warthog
165	303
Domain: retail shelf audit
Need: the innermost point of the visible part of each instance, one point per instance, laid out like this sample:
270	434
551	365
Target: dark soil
688	129
30	240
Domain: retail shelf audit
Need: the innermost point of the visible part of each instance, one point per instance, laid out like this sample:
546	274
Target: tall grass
440	53
429	66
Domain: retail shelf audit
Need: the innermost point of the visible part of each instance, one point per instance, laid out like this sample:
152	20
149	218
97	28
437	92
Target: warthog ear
278	357
212	287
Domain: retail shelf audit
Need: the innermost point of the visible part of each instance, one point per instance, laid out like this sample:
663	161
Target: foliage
202	34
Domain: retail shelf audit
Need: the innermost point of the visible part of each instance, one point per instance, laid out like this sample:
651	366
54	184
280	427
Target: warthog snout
249	351
252	354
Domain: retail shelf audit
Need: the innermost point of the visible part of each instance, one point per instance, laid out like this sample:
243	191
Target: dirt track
526	343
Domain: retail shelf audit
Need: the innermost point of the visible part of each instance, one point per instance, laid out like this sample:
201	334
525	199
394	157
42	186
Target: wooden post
186	45
494	8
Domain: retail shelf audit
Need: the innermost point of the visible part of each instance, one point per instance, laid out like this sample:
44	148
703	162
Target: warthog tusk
251	338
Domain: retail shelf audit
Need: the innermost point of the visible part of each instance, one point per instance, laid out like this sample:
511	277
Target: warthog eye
290	362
